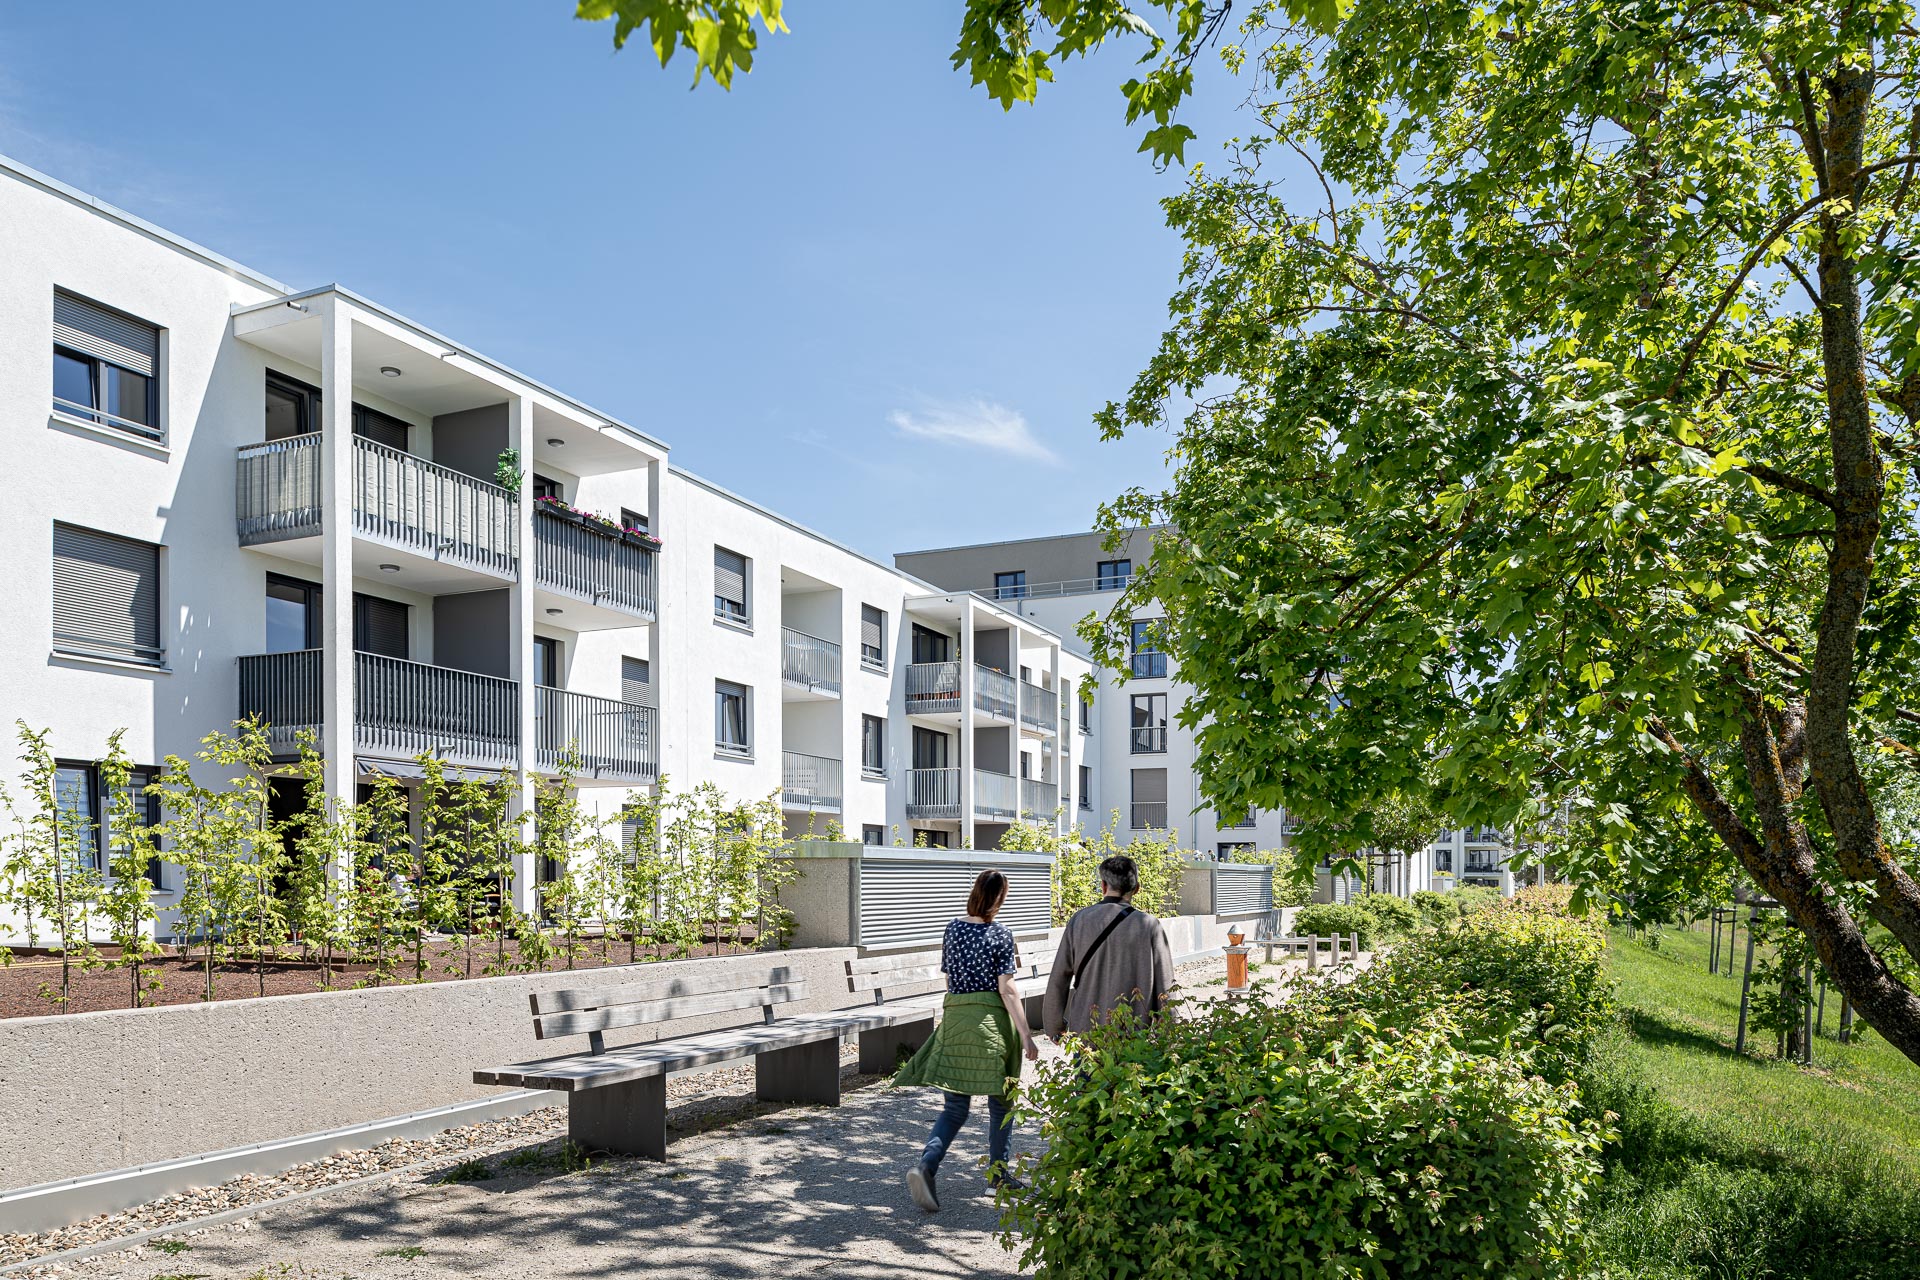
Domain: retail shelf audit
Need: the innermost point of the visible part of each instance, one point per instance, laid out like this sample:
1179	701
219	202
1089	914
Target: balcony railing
1247	823
933	688
595	737
1039	709
809	662
399	707
933	793
995	692
1149	815
1049	590
995	795
592	563
1143	740
397	498
809	782
1038	800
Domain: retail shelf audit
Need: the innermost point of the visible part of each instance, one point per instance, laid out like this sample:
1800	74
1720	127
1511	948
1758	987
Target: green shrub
1469	898
1395	917
1436	909
1262	1141
1319	919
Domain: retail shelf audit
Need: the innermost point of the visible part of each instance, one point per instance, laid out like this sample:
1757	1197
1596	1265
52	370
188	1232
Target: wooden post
1746	983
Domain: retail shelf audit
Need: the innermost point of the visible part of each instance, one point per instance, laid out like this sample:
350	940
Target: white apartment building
234	497
1150	777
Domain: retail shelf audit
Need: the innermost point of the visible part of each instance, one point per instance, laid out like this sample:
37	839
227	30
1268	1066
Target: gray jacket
1133	966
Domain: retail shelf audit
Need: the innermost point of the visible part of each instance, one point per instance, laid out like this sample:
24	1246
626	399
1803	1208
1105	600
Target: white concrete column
965	652
336	557
520	614
1060	732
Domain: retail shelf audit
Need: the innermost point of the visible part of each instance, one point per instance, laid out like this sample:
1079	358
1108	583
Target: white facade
309	511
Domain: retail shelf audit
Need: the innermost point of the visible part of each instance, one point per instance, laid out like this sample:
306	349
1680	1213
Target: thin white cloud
973	424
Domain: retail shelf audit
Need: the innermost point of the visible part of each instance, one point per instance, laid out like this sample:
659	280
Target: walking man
1111	954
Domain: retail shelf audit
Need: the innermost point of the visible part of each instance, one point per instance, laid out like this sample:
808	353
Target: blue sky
852	289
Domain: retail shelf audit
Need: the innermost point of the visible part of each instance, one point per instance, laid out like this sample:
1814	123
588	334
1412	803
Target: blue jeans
954	1114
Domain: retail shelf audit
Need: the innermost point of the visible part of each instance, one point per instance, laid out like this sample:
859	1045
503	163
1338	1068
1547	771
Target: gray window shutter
379	626
730	576
636	681
1149	786
873	629
106	594
93	329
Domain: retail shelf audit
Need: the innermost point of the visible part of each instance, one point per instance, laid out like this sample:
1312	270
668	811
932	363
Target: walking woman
977	1046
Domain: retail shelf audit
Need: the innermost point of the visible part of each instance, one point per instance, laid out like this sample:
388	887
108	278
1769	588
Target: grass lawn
1747	1168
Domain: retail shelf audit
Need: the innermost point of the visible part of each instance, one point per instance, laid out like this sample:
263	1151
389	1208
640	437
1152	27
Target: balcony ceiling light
555	442
389	568
389	370
553	613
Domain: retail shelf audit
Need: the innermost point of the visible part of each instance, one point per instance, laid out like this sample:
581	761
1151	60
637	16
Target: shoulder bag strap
1080	970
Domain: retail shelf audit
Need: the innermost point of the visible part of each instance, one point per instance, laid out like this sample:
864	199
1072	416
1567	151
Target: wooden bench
1267	935
910	1018
617	1098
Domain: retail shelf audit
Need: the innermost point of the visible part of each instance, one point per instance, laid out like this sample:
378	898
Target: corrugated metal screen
106	594
906	900
91	328
730	576
1242	889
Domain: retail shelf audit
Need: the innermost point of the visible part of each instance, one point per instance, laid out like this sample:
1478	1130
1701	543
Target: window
87	814
105	366
1148	661
929	748
545	487
1086	716
873	746
293	407
106	596
546	662
730	718
1225	850
381	428
1112	575
930	645
293	614
379	626
729	585
873	835
636	681
930	838
1149	799
873	637
1148	734
1010	586
1245	824
1086	787
631	519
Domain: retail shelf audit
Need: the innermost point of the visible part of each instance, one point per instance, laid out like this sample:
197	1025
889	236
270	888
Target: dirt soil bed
184	982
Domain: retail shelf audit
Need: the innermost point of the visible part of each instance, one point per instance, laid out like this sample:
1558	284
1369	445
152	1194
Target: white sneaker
920	1183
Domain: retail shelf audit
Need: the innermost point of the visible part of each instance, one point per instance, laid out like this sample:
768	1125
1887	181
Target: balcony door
930	748
294	619
930	645
293	409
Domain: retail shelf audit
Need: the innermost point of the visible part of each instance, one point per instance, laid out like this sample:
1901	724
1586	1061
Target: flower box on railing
597	523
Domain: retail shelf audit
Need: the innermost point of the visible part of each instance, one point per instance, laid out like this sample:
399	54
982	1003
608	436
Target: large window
1086	786
87	835
1148	661
1148	732
729	585
106	366
1225	849
1086	716
930	645
106	596
929	748
873	746
730	725
873	637
873	834
1149	799
293	614
546	662
293	409
1010	586
1112	575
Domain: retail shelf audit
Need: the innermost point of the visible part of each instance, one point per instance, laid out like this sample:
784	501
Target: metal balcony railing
996	796
933	688
1039	709
933	793
400	708
397	499
1149	815
595	737
1038	800
809	662
1143	740
1149	664
995	692
1247	823
809	782
587	562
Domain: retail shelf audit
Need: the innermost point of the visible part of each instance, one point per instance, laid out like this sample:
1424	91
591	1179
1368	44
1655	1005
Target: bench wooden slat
573	1072
583	1021
692	984
886	964
894	978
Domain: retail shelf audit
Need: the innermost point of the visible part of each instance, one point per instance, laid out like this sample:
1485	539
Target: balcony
600	738
996	796
1143	740
440	515
1038	801
933	688
933	793
400	708
809	666
582	561
809	782
1149	815
995	693
1039	709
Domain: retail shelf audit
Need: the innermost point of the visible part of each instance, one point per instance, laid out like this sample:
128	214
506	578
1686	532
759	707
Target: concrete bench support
629	1119
881	1048
804	1073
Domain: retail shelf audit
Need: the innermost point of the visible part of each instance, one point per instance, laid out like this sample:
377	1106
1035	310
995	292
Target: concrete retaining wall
89	1092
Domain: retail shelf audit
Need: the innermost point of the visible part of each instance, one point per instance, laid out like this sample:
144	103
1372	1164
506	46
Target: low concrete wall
90	1092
